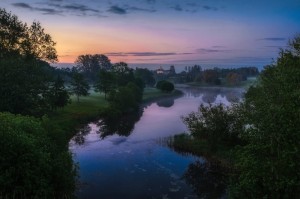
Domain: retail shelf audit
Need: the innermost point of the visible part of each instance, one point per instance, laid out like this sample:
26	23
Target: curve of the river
134	164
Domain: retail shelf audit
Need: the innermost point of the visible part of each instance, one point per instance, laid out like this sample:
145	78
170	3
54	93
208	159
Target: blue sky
181	32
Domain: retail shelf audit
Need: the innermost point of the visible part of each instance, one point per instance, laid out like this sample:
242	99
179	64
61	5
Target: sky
227	33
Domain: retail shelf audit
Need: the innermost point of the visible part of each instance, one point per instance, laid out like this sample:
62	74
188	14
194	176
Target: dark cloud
273	39
45	11
141	9
177	8
206	7
78	7
117	10
144	54
22	5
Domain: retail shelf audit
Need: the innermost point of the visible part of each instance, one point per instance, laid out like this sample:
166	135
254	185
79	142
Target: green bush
165	86
30	164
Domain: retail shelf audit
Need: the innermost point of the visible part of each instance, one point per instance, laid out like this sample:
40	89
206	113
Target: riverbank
185	144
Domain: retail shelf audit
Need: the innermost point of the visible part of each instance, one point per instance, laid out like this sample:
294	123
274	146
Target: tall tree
79	86
90	65
106	82
124	74
58	95
23	51
269	165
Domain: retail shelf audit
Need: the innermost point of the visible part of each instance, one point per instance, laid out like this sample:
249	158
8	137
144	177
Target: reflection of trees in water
122	126
79	137
207	179
233	96
209	95
165	102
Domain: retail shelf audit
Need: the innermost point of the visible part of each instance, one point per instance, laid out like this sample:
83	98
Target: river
128	161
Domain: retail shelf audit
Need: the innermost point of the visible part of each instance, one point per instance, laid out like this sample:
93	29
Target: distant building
161	71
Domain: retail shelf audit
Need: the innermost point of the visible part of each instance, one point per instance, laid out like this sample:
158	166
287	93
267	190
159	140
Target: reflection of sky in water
136	166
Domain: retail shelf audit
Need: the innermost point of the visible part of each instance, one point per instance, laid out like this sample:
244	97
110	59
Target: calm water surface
128	161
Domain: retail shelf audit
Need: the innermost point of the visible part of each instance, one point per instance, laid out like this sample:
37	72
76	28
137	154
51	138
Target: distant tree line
214	76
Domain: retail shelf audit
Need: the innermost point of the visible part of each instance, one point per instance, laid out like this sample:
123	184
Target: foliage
58	95
31	166
91	65
233	78
106	82
146	75
24	76
165	86
79	86
269	165
126	98
123	74
216	124
17	39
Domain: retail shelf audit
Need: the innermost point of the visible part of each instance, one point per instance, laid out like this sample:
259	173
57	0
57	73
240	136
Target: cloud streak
273	39
117	10
216	49
45	11
143	54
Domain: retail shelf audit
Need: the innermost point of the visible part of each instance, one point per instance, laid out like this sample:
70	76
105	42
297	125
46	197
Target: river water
128	161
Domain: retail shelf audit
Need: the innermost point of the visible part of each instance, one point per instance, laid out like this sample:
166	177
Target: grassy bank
76	113
185	144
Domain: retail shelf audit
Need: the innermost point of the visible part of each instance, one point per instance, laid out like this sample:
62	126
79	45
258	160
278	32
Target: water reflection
210	95
208	179
167	103
122	126
79	138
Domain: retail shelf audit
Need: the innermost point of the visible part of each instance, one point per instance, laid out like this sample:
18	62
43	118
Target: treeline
262	132
215	76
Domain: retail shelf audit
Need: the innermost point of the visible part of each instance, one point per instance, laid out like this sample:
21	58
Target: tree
24	79
165	86
58	95
79	86
215	124
146	75
233	78
269	165
90	65
106	82
123	73
210	76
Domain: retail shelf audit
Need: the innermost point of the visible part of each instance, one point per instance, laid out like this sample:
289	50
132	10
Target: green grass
76	113
184	143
